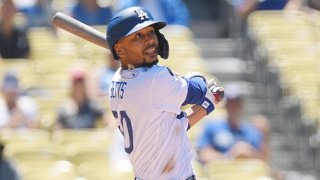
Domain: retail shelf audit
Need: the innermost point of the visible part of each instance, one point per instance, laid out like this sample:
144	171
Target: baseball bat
79	29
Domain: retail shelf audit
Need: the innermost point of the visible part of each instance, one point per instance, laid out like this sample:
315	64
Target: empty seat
32	151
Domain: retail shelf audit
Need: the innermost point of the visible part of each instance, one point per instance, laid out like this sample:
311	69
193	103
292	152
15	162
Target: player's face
139	49
234	108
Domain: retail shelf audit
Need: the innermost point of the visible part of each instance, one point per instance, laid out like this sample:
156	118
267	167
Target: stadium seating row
68	154
293	47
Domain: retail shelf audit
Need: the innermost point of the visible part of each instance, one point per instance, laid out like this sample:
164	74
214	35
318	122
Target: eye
138	36
152	32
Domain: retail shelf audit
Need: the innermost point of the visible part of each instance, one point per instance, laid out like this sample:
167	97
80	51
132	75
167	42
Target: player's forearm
195	113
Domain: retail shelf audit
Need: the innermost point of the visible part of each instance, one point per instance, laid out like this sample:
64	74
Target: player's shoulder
164	70
156	71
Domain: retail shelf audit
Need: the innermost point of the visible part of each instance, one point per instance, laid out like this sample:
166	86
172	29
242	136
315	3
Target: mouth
151	51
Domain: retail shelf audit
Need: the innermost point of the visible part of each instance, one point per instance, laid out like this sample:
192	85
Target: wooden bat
79	29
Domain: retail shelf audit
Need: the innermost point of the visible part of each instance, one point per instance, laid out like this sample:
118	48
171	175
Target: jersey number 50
125	127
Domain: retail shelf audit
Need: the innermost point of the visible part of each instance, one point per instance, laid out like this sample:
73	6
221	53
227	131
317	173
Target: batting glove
214	95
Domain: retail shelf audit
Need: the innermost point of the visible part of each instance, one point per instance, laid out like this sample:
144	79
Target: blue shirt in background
219	135
272	4
99	17
175	12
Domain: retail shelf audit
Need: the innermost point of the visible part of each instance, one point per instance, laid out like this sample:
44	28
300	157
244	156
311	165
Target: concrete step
218	47
226	68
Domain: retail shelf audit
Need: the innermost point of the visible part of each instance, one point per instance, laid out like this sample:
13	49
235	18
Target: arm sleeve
197	90
256	138
168	91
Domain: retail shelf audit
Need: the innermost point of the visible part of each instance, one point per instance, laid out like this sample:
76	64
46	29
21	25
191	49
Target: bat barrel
79	29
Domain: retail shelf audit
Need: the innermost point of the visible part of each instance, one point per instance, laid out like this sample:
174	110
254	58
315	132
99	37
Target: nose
150	40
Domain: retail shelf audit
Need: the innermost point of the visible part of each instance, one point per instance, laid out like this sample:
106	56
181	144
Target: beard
149	64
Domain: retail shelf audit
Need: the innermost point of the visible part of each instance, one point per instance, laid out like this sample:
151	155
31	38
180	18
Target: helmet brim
156	24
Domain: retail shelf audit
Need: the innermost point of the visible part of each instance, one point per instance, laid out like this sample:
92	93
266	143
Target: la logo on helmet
141	14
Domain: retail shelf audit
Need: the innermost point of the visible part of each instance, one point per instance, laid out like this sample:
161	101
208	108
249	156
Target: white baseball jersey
146	103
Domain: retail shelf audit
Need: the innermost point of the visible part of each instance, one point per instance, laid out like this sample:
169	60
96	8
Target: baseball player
146	98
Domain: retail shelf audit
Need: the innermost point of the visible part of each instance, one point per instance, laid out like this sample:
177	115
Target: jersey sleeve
197	90
168	91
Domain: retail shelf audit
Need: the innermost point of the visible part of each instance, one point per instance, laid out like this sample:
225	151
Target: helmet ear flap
116	51
114	54
163	45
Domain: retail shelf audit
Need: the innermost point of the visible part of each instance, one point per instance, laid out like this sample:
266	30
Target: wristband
207	105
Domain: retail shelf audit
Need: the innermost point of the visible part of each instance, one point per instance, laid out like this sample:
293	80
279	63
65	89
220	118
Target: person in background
261	122
80	111
278	4
230	138
16	110
172	12
7	170
89	12
314	4
13	41
244	8
38	15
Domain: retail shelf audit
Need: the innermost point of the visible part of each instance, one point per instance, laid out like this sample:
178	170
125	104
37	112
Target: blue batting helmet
131	20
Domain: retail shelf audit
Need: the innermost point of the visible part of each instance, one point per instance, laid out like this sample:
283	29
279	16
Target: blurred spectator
16	110
271	4
280	4
89	12
13	41
315	4
38	14
230	138
174	12
7	170
244	8
103	76
79	111
261	122
241	9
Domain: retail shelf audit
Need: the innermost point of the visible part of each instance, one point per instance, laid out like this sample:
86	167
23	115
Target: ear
119	50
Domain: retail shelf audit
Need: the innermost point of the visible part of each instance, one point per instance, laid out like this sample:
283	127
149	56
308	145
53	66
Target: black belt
193	177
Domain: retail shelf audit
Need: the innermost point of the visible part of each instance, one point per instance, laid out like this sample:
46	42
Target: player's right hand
217	91
214	95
